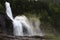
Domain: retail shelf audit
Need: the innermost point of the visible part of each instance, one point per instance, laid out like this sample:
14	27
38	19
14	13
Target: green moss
51	36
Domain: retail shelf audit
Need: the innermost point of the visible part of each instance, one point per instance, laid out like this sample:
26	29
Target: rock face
10	37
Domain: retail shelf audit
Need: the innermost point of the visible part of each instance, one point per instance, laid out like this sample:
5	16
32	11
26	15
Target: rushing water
21	24
25	23
8	10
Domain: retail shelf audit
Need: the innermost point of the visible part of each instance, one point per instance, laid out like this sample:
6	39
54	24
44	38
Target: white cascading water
24	21
17	26
8	10
35	22
20	21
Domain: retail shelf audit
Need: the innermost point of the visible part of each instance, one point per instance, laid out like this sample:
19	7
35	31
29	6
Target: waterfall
35	22
8	10
22	21
17	26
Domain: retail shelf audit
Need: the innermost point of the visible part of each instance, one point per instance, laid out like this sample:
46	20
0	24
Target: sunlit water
21	24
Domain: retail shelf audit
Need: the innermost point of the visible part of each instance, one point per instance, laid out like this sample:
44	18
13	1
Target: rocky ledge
10	37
